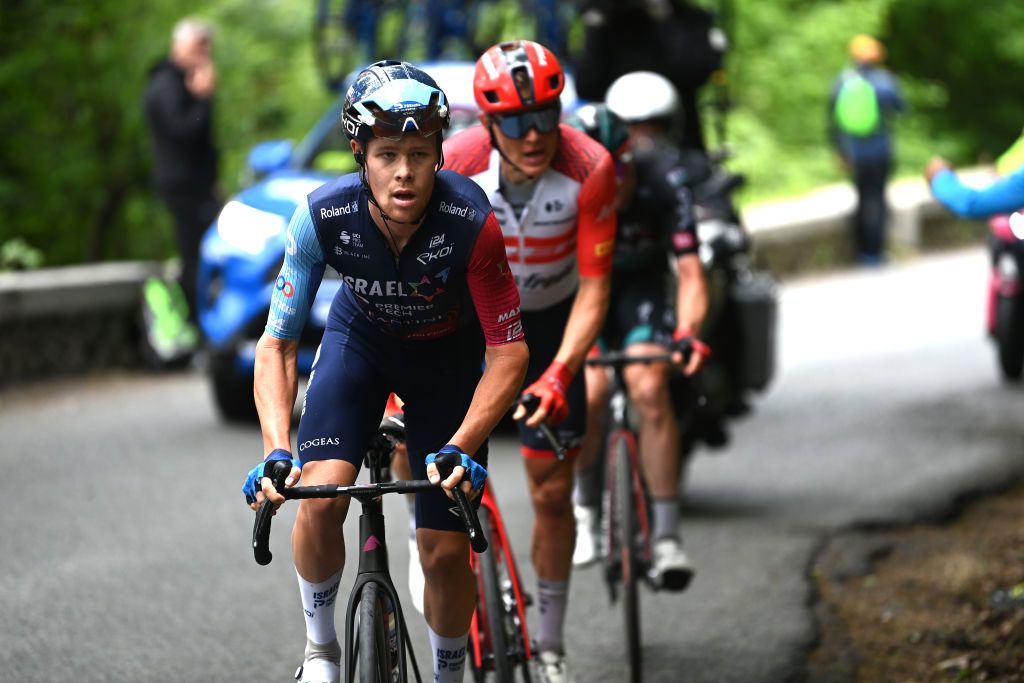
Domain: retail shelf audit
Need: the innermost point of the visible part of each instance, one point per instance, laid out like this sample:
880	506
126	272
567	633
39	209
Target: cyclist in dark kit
650	312
428	297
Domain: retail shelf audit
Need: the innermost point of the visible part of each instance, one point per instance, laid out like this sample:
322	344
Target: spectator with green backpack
861	103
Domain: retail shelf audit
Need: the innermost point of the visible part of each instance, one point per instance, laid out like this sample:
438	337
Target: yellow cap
864	48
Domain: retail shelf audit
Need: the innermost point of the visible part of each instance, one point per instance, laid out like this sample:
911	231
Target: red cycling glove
550	389
698	347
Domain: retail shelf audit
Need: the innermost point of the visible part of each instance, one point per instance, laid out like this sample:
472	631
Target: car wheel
232	389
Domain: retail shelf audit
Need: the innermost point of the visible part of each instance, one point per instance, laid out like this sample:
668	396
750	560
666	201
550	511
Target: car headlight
248	229
1017	225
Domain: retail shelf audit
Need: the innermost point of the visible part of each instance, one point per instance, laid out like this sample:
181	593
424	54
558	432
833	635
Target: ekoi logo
285	287
371	544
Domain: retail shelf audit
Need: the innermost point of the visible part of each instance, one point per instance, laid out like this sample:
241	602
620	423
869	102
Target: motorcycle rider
656	216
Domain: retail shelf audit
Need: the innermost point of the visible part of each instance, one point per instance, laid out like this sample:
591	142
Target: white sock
552	599
449	656
318	607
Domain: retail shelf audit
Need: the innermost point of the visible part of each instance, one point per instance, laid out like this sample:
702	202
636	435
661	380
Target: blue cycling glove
256	474
476	472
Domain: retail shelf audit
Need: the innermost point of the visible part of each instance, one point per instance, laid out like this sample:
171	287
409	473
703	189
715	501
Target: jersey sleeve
492	287
595	242
300	276
1003	196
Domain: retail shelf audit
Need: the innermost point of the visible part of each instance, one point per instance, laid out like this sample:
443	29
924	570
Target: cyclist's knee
650	396
553	498
441	552
326	512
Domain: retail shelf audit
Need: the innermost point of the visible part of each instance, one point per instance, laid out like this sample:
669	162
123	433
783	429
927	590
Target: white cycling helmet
641	96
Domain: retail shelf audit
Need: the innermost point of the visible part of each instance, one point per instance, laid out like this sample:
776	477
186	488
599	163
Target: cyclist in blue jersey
1005	195
428	298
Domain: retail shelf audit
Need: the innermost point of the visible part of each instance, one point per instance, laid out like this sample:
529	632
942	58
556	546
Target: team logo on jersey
508	315
285	287
350	238
428	256
553	206
427	288
683	240
343	210
462	211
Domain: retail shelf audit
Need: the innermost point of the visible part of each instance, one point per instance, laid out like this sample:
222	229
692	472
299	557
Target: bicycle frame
621	430
373	558
499	544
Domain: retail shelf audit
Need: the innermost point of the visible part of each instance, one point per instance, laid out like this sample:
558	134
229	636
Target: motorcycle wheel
232	390
1010	336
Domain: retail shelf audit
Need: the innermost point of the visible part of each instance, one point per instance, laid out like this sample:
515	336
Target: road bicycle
376	636
499	643
625	504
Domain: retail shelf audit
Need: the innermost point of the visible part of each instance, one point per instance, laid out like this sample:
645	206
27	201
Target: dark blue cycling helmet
389	99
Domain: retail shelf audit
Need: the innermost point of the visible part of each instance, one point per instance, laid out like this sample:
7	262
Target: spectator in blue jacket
863	99
1005	195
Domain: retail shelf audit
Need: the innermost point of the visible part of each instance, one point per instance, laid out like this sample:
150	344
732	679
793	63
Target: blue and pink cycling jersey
415	324
453	266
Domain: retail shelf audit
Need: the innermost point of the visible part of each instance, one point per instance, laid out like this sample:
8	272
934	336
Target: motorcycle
740	325
1005	306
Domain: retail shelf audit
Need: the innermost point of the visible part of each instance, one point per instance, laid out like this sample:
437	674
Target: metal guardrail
75	318
71	320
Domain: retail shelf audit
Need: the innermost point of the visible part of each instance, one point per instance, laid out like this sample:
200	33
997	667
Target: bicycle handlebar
620	359
280	470
530	402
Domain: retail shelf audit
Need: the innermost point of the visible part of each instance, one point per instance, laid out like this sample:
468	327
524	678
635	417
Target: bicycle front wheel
492	602
378	636
626	535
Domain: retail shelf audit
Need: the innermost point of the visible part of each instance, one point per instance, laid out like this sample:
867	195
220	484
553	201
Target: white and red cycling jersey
567	228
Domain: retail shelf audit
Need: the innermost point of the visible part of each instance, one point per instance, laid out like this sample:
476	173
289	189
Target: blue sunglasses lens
518	125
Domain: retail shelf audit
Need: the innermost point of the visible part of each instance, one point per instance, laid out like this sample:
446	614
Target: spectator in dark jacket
178	104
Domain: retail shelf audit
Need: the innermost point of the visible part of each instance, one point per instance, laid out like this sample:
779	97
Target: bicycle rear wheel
624	507
492	601
378	636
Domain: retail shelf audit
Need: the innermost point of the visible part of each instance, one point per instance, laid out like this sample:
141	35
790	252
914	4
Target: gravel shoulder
925	602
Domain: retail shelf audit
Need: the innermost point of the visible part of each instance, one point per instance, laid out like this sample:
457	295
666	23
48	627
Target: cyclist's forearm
275	384
585	320
504	372
691	294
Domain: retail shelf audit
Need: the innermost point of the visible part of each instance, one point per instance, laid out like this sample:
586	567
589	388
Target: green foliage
972	55
75	157
75	160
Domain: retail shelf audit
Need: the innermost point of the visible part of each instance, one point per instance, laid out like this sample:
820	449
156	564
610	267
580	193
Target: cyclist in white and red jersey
553	192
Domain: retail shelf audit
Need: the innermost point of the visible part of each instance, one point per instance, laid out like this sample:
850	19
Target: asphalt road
124	544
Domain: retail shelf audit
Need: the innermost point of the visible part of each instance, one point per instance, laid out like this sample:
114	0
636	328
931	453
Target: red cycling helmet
517	75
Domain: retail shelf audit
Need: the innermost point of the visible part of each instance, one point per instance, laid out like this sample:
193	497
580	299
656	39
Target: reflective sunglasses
425	122
518	125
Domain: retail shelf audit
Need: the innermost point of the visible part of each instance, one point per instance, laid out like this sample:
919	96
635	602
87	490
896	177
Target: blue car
242	251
